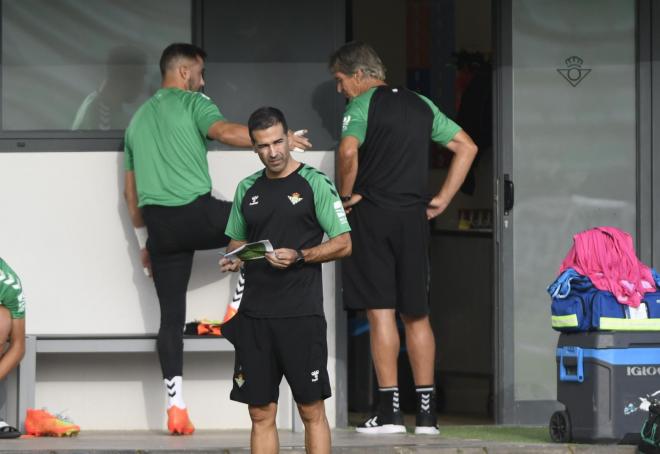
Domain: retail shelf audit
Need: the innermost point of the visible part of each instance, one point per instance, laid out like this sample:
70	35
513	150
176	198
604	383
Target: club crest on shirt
239	378
294	198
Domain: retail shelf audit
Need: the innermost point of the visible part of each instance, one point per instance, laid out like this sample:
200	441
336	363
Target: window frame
68	140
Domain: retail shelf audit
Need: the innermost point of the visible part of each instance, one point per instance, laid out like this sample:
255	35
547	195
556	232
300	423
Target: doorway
443	50
568	139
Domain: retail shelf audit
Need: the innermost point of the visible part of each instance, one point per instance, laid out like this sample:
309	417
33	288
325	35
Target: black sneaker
383	424
426	424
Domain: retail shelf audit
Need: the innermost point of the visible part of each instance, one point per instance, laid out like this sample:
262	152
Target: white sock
174	388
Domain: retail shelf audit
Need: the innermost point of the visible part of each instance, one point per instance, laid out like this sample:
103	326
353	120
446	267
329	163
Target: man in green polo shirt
383	172
168	193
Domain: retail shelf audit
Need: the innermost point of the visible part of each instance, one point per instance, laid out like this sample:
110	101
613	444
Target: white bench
62	344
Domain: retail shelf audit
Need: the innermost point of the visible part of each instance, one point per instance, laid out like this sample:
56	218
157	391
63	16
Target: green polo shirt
356	117
165	145
11	291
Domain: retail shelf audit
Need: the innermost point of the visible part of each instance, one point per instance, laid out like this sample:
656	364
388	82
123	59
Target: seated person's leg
12	352
12	341
5	329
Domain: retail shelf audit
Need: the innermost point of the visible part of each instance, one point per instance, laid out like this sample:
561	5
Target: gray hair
356	55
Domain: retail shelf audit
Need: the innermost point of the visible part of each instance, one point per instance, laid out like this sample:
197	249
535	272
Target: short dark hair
264	118
179	50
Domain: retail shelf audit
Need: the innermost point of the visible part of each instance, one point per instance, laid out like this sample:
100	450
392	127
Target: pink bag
607	256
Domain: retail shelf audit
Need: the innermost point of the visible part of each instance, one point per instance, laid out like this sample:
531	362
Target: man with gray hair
383	177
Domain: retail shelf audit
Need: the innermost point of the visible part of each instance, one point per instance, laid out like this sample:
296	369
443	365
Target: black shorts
196	226
269	348
389	266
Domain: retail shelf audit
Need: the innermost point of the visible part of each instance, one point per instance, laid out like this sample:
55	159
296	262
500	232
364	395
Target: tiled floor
237	441
344	441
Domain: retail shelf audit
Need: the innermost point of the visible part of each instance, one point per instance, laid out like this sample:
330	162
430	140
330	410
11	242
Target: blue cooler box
606	380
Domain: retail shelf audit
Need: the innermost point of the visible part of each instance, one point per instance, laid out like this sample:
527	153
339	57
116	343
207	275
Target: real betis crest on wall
574	73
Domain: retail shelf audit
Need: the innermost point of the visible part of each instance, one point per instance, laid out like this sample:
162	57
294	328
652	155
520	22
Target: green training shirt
292	212
11	291
356	118
395	128
165	145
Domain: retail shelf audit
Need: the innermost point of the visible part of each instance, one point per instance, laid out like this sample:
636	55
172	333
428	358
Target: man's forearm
136	216
347	163
458	170
131	198
333	249
464	151
233	134
234	244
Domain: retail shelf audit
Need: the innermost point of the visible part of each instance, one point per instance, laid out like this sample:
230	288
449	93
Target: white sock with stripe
174	388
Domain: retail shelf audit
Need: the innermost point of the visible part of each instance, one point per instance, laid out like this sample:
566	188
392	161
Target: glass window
83	65
263	53
574	155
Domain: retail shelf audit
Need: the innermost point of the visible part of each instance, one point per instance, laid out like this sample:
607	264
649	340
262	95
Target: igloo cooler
606	380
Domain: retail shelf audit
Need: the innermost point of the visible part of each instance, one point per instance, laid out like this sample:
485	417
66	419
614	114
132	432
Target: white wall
66	232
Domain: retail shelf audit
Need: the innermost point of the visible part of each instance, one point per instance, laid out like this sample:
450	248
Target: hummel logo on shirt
315	375
345	122
21	303
294	198
255	200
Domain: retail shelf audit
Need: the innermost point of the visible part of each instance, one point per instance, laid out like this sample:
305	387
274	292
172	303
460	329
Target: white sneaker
427	430
383	425
426	424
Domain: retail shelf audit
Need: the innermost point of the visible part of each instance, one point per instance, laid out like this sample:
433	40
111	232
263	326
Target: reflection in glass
83	64
105	108
255	59
574	156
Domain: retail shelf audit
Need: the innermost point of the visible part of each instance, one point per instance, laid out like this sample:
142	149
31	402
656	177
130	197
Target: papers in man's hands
251	251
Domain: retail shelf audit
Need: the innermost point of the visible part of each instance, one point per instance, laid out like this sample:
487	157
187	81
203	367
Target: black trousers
175	233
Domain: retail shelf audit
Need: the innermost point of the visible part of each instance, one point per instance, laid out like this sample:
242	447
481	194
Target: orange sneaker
230	312
40	423
178	422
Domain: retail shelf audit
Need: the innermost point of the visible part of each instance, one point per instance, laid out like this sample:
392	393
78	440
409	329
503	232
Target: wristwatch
300	258
345	198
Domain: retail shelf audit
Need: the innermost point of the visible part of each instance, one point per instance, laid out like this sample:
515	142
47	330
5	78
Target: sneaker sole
68	433
386	429
182	432
426	430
